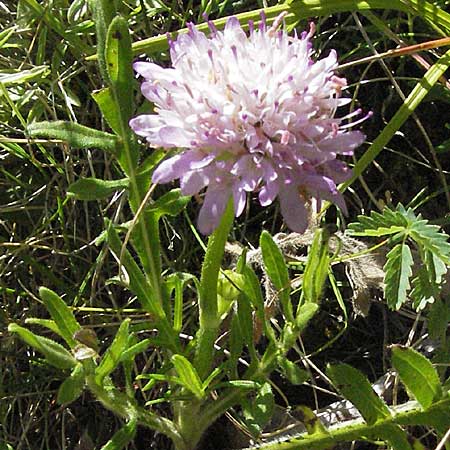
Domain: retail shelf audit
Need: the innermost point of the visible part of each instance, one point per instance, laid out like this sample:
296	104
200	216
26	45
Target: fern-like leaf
431	239
398	270
404	226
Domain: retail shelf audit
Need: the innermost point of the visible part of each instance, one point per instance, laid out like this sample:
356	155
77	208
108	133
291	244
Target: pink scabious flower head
249	113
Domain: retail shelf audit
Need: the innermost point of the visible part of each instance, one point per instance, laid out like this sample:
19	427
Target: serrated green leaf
395	436
111	358
276	269
122	437
316	268
72	387
258	412
424	289
171	203
355	387
432	239
95	188
188	375
293	373
398	270
54	353
417	374
385	224
61	314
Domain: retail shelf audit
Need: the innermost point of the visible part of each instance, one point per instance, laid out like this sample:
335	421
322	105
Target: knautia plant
254	113
242	113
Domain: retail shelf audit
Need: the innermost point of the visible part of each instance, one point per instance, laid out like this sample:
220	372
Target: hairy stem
208	309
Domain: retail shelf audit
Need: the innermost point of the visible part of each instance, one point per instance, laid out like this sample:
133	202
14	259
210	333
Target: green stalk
209	318
357	430
121	405
413	100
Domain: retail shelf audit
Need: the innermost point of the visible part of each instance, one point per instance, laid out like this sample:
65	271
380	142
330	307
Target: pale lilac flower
251	113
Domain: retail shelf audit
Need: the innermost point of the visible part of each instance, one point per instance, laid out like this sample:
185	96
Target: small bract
249	113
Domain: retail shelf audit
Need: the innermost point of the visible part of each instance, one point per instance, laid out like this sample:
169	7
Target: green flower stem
407	414
413	100
217	408
121	405
209	316
195	417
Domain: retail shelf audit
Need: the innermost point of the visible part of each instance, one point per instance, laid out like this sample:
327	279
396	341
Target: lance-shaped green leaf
54	353
292	371
122	437
24	76
103	13
95	188
355	387
171	203
176	283
188	375
61	314
316	269
304	314
275	267
46	323
398	270
76	135
111	358
129	354
258	412
119	61
138	283
395	436
72	387
417	374
105	102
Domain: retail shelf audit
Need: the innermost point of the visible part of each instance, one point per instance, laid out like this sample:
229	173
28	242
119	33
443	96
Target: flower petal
213	207
293	209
